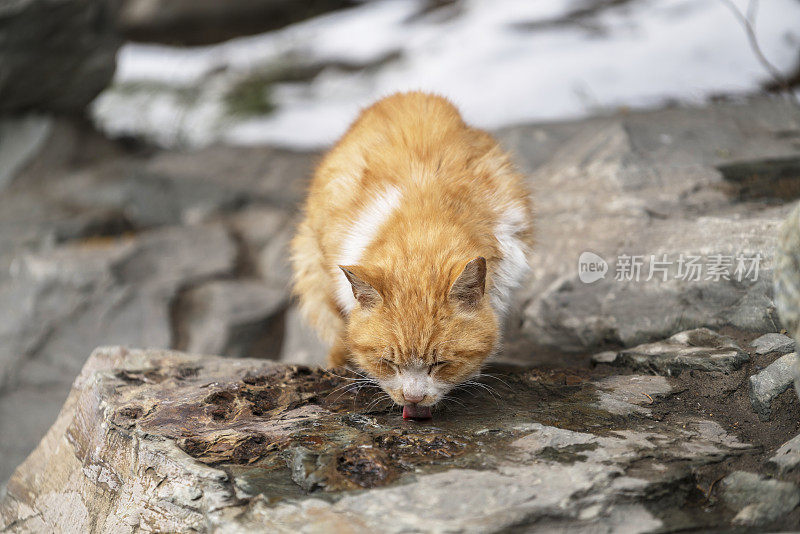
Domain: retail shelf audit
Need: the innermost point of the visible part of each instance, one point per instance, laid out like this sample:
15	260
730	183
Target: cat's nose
413	398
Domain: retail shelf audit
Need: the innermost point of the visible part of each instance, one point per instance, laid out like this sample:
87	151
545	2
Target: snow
488	57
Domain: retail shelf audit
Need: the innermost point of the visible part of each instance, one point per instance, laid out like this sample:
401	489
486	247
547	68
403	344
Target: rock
169	441
301	344
700	349
787	457
275	176
574	316
199	262
62	302
20	140
55	57
266	232
758	499
773	343
607	356
627	394
787	274
233	318
787	281
86	214
189	188
199	22
636	185
771	382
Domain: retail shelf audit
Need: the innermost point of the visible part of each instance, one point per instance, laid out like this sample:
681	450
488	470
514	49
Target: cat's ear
366	295
469	287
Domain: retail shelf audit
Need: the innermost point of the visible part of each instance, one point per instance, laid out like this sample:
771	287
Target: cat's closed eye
393	366
436	365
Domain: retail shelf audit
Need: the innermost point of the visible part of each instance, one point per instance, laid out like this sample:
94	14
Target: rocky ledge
166	441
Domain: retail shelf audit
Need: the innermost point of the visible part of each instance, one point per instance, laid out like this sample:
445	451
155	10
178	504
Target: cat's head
421	335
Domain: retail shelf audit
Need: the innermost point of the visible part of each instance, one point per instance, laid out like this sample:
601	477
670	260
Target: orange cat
417	229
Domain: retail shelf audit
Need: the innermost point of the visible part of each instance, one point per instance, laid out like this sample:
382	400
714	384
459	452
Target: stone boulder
758	499
197	22
55	56
787	274
766	385
658	189
165	441
787	282
699	349
59	303
773	342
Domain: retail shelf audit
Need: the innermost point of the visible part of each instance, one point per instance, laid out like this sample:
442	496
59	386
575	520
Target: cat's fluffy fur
417	229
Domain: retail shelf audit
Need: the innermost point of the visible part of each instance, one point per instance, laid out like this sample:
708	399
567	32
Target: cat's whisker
347	377
358	391
346	388
494	377
479	387
452	399
374	402
485	387
350	384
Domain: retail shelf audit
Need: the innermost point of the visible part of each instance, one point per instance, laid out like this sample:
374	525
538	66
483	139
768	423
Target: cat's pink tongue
415	411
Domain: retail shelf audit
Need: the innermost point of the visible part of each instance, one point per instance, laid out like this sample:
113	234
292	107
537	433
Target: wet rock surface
170	441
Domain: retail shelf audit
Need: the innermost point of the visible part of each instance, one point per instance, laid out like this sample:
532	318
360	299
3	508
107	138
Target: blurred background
153	154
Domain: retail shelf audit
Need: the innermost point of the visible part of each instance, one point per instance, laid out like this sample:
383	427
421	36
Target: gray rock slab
577	316
64	301
758	499
20	434
276	176
773	342
700	349
201	22
787	280
186	442
631	393
776	378
236	318
265	232
787	274
20	140
301	344
607	356
787	457
56	58
645	185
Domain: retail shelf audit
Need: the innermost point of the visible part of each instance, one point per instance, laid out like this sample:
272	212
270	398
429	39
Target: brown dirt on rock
366	467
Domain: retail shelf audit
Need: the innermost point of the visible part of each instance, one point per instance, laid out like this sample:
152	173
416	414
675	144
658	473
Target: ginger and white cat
417	229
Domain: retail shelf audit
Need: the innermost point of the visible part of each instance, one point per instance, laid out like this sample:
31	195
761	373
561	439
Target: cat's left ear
468	289
366	295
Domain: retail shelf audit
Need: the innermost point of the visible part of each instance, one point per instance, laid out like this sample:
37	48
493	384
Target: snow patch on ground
500	61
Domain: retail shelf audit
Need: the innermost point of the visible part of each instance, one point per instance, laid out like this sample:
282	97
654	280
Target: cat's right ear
468	289
366	295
